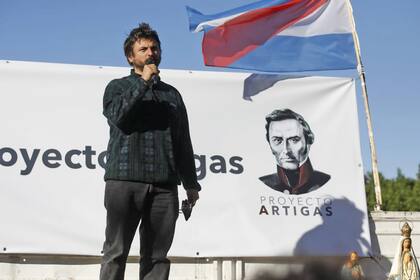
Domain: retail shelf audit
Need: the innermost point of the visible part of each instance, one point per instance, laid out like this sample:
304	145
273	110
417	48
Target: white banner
300	193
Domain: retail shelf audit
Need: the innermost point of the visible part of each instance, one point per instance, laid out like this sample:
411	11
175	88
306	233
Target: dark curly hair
143	31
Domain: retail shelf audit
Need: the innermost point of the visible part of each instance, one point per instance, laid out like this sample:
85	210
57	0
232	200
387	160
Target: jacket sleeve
186	163
120	100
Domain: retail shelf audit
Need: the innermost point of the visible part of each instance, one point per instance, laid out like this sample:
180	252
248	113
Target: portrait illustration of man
290	139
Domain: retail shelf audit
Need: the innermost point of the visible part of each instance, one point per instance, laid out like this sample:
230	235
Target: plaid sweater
149	134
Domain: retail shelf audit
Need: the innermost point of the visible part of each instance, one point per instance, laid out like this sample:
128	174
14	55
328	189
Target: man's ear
130	58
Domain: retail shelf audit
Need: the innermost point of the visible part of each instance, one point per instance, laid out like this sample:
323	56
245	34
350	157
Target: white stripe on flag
333	18
215	22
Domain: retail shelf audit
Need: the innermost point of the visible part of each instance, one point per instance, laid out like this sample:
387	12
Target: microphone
155	78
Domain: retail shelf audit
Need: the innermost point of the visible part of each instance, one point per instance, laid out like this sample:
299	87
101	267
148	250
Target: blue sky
91	32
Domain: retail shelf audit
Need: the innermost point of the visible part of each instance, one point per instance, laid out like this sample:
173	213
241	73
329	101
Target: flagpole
362	76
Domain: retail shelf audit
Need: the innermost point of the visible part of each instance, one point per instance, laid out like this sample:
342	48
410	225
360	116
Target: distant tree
370	191
418	172
398	194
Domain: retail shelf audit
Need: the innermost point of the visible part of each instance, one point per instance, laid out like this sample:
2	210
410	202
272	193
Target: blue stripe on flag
296	54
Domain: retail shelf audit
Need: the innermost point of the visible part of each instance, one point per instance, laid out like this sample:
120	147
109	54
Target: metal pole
374	161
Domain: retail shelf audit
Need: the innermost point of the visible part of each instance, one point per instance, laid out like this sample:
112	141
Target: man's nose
149	52
285	148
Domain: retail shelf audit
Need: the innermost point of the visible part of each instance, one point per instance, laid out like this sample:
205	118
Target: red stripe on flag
239	36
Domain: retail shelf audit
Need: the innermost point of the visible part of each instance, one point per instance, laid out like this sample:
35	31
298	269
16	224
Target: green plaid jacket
149	135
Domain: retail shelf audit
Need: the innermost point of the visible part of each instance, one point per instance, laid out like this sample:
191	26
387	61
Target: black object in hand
155	78
186	209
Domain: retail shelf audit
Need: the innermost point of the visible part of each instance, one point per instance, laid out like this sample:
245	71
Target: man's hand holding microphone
151	71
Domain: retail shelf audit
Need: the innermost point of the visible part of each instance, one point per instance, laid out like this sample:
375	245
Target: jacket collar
305	172
133	73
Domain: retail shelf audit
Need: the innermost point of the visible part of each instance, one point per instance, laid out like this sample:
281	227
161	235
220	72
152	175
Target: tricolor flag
279	36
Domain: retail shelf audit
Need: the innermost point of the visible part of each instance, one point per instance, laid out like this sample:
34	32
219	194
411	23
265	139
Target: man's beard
154	60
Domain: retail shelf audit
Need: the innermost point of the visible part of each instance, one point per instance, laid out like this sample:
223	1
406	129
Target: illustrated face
144	49
287	142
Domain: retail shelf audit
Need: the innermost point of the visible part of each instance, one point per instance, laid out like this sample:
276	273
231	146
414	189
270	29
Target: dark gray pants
127	203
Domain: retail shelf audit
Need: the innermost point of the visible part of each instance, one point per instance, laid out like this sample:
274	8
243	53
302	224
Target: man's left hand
192	196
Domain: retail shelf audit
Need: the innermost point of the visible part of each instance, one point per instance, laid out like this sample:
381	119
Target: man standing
290	139
149	153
